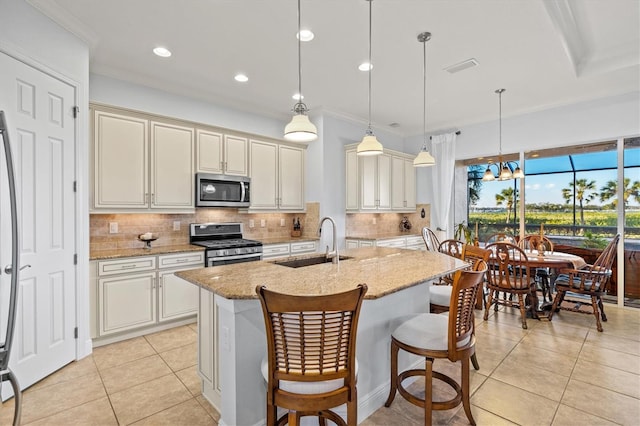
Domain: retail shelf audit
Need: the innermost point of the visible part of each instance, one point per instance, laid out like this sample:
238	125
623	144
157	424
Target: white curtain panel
444	151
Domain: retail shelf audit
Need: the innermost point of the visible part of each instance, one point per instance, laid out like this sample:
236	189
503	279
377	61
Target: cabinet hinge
76	111
75	258
75	333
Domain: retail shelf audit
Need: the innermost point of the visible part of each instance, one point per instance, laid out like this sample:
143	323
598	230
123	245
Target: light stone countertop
384	270
133	252
383	235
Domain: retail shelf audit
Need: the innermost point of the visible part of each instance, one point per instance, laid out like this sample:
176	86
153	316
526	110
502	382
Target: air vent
394	124
460	66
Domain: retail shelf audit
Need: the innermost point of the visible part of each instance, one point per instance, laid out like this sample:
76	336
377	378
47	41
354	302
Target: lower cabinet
412	242
133	294
273	251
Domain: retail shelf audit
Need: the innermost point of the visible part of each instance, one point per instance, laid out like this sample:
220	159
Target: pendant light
508	169
369	144
424	159
300	129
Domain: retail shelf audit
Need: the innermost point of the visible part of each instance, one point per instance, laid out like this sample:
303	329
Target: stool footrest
437	405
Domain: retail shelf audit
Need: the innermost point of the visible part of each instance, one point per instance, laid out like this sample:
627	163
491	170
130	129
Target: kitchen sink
307	261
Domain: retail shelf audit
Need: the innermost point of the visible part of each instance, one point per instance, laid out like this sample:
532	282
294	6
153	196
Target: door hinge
75	333
76	111
75	258
75	186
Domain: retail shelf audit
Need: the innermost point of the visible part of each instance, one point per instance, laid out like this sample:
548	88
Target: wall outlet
281	222
252	223
373	221
113	227
224	338
263	223
176	225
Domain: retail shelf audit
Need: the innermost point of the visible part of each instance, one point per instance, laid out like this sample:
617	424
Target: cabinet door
235	156
368	183
209	151
384	182
409	185
397	183
264	175
126	302
290	178
172	177
351	244
351	174
177	298
121	161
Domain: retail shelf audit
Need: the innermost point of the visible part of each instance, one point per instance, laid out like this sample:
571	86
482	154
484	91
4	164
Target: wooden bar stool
440	336
311	359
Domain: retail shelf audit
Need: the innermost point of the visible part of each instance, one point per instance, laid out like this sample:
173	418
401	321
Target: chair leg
394	374
556	303
465	391
596	313
271	414
352	409
293	418
523	312
428	390
474	361
602	314
488	305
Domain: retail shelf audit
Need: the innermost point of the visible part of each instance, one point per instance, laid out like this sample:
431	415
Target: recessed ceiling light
305	35
365	66
241	78
460	66
298	97
162	52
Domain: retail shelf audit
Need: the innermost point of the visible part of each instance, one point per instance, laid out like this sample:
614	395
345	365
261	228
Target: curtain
444	152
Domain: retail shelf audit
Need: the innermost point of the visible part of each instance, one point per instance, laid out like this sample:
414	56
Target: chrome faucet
334	252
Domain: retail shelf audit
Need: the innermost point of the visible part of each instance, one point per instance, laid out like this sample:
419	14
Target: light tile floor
554	373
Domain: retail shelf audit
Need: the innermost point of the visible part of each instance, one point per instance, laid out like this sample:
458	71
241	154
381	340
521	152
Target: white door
39	110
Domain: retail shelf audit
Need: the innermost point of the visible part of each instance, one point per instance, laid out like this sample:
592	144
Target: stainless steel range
224	243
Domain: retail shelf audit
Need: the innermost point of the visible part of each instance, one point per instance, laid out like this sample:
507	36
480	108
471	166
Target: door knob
9	268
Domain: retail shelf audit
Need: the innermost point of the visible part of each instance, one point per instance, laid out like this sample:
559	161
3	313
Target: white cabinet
413	242
380	183
277	176
137	293
221	153
353	244
272	251
403	181
141	164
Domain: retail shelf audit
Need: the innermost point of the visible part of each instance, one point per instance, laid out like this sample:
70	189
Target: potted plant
462	230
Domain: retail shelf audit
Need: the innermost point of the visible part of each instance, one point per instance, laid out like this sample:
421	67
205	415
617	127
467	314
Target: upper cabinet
221	154
141	164
277	176
385	182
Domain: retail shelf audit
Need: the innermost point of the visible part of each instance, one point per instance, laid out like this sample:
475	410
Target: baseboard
101	341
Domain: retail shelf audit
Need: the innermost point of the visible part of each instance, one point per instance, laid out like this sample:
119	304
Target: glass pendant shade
505	173
369	146
424	159
300	129
488	175
517	173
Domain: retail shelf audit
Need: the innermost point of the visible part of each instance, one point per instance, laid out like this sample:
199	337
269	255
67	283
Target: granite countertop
384	270
285	239
132	252
383	235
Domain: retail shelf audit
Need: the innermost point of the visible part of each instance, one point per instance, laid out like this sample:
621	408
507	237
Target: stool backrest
466	285
452	248
430	239
533	242
311	338
508	267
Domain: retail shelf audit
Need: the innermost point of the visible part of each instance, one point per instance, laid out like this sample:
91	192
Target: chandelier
505	169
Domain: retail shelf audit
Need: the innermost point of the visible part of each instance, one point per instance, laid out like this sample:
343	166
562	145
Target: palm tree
475	183
610	190
582	186
509	197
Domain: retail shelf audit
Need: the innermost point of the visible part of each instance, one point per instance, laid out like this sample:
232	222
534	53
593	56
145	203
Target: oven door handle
240	256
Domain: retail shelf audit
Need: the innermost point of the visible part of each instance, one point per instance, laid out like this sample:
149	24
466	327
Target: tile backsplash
131	225
363	223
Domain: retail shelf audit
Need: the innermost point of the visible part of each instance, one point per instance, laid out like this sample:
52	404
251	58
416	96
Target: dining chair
311	364
537	243
434	336
430	239
507	274
453	248
590	280
501	236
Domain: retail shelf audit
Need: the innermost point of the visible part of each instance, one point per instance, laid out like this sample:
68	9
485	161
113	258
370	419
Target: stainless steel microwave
222	190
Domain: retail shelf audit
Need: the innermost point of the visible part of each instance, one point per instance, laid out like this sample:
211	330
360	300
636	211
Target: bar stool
440	336
311	366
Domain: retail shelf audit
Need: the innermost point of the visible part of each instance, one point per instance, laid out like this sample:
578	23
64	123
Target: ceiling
546	53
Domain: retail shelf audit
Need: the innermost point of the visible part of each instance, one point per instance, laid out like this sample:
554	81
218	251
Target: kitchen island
231	336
